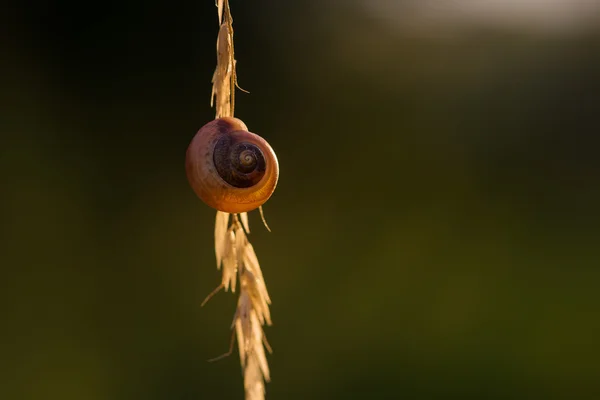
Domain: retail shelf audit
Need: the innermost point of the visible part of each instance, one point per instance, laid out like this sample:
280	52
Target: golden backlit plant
234	252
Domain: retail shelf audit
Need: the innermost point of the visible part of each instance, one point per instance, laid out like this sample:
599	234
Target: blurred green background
435	228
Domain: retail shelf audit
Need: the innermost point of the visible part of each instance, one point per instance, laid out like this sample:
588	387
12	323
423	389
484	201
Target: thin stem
233	249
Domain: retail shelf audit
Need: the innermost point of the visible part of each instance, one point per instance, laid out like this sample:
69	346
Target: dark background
435	228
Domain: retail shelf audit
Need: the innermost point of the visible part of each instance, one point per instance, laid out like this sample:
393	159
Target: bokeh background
435	230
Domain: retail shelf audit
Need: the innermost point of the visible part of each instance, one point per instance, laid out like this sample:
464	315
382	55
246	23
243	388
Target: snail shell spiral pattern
229	168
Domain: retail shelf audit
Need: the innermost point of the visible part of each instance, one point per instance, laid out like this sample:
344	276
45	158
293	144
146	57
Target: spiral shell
229	168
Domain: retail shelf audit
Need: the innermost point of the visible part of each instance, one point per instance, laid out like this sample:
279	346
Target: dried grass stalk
234	253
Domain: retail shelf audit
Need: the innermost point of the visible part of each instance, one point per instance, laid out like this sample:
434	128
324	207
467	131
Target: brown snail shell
229	168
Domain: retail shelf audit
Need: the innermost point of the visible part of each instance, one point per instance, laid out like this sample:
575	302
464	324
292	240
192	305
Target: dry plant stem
234	253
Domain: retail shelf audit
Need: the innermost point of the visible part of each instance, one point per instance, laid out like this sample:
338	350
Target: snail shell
229	168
